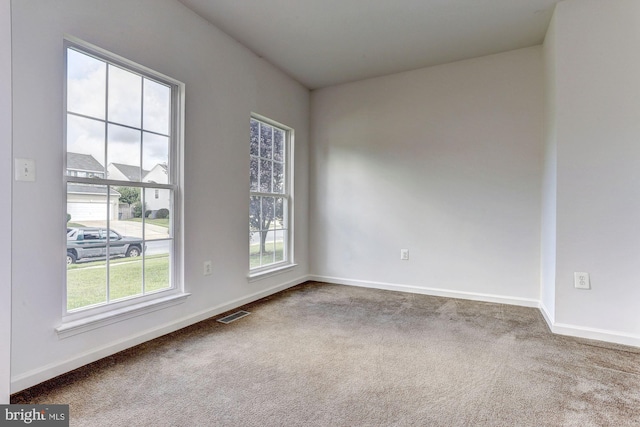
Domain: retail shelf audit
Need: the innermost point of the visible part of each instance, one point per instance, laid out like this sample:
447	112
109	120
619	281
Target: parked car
85	242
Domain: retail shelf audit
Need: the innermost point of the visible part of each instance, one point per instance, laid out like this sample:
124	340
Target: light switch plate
25	169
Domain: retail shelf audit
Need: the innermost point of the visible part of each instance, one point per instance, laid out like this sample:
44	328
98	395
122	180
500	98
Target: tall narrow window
270	204
121	178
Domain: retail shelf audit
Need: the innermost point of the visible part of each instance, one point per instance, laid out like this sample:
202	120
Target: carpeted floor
329	355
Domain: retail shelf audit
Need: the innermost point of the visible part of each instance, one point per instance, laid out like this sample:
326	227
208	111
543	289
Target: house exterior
86	202
154	198
123	172
157	198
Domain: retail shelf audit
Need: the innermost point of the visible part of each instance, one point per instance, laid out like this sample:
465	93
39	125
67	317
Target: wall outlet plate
404	254
581	280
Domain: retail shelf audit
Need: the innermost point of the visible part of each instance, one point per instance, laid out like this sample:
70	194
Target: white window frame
289	260
90	317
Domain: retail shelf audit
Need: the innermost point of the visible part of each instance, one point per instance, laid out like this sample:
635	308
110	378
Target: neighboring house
122	172
84	165
155	198
86	202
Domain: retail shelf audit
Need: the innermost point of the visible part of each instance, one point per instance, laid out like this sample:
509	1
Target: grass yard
162	222
269	257
86	282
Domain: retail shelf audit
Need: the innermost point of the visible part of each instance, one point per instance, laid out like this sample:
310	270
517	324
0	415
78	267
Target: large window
121	176
270	196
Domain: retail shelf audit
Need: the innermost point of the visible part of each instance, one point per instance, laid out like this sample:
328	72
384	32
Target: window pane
255	136
157	213
157	107
279	212
126	245
268	213
88	205
254	214
85	146
278	145
278	177
266	141
280	246
129	203
253	174
86	84
125	273
123	155
157	265
265	176
254	250
87	212
155	154
125	97
268	247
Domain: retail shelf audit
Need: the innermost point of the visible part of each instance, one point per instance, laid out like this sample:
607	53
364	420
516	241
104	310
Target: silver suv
92	242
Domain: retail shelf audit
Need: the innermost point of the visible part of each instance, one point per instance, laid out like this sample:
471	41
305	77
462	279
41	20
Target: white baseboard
596	334
588	333
548	317
524	302
36	376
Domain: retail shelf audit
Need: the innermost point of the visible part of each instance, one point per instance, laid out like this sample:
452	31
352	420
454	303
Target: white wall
5	195
598	183
444	161
225	82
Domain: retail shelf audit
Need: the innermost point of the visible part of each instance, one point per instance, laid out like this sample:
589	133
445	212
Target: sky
133	105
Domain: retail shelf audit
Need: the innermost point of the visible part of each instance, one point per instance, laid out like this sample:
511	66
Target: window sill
259	275
68	329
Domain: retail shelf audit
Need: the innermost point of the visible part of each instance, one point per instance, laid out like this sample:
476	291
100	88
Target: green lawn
86	282
162	222
269	257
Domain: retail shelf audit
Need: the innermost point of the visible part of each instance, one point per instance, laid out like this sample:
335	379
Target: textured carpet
329	355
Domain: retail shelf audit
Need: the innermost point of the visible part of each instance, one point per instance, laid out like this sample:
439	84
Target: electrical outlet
404	254
207	268
581	280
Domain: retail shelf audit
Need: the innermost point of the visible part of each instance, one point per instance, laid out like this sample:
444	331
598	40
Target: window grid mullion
106	162
107	247
109	122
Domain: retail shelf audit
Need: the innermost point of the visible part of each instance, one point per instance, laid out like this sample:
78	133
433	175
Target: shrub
137	209
68	217
162	213
147	213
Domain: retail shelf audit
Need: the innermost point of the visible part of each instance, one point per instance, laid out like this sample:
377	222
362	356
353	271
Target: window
121	176
271	203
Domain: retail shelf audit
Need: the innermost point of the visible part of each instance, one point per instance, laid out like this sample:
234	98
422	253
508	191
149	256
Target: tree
263	213
128	195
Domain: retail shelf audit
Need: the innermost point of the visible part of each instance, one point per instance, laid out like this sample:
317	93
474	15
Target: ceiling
327	42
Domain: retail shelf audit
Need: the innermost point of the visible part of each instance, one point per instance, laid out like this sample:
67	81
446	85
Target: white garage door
84	211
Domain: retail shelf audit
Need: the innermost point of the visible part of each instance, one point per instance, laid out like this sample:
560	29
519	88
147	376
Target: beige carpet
328	355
